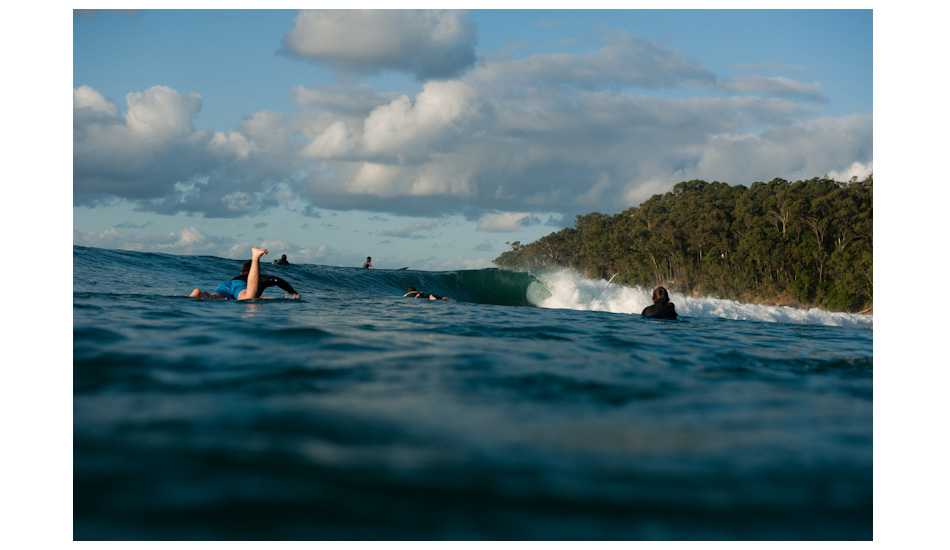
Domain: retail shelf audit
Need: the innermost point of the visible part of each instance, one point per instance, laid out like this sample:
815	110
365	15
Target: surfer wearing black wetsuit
282	261
662	308
368	264
413	293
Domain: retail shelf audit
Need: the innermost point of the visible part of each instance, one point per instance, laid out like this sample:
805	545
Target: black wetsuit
417	294
660	311
281	262
266	281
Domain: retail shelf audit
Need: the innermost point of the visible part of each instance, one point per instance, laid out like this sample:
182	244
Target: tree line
807	243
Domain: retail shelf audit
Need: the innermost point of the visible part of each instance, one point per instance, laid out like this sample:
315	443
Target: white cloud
506	222
795	151
153	155
425	43
374	179
624	60
775	86
563	134
187	241
413	230
335	141
160	113
401	127
858	170
462	262
87	101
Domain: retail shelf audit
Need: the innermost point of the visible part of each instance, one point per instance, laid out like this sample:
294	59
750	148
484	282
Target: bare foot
257	252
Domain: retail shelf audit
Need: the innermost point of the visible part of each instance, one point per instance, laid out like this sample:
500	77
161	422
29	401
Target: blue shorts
230	289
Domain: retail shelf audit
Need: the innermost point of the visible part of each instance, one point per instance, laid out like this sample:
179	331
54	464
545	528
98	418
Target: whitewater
531	406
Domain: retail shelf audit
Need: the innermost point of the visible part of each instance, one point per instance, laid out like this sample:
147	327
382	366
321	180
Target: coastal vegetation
807	243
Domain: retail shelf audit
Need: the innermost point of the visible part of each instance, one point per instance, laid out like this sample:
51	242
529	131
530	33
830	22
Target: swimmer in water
662	308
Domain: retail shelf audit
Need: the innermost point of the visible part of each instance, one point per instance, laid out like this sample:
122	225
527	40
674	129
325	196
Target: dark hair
660	295
368	258
246	267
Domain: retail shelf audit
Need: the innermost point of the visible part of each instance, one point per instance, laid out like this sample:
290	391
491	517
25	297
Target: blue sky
431	139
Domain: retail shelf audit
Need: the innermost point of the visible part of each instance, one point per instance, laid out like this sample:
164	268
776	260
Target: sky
433	139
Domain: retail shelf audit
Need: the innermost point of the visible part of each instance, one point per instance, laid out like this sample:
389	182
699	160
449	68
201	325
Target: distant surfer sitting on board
250	284
281	261
662	308
413	293
368	264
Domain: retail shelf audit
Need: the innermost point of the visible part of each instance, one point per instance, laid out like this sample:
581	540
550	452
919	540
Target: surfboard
401	268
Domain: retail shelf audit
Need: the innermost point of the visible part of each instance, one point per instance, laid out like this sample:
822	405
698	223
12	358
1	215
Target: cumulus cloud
561	134
428	44
88	104
154	156
404	127
801	150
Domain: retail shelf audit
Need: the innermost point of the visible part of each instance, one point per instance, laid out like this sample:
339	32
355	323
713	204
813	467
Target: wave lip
567	289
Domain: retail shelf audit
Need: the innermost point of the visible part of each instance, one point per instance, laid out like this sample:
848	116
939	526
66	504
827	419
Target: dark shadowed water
355	414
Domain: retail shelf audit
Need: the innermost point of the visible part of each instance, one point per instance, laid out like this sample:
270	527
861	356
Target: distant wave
178	275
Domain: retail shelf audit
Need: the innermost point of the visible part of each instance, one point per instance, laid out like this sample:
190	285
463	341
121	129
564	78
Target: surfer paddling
413	293
249	285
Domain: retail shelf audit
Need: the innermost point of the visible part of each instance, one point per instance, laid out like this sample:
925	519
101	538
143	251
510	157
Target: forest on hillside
807	243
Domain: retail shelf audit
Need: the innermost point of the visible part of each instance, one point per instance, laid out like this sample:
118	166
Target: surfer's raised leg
254	288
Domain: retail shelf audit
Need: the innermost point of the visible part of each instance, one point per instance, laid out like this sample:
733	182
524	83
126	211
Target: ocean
531	406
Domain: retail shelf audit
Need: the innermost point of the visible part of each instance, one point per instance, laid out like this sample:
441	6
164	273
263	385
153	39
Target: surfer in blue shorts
250	284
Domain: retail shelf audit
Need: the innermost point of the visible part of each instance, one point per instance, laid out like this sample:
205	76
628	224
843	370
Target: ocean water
530	407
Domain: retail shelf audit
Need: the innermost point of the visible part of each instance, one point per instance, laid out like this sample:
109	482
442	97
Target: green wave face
480	286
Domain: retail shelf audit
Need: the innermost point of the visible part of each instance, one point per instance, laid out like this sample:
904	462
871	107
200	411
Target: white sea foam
570	290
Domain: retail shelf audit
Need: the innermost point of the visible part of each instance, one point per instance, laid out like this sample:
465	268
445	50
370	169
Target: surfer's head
246	267
660	295
412	289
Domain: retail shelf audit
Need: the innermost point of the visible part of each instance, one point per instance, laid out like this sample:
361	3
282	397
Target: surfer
368	264
662	308
249	284
413	293
281	261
